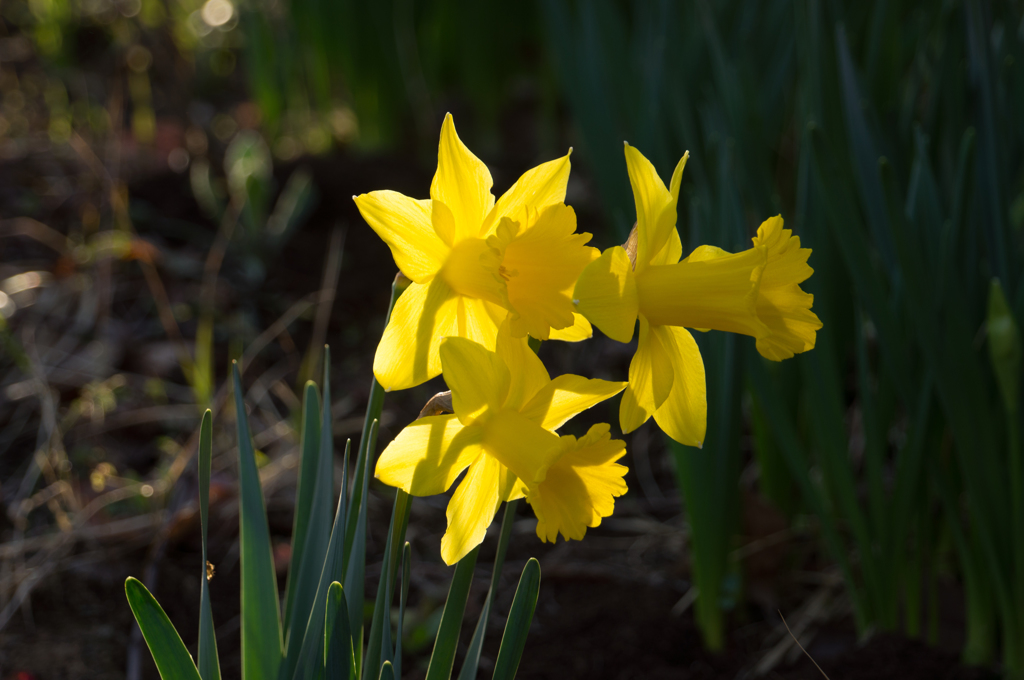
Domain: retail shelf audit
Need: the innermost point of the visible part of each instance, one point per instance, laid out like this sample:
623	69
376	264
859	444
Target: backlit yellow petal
478	320
581	487
429	454
567	395
650	371
462	182
606	294
671	251
521	445
542	256
579	330
527	371
408	351
471	509
631	414
782	305
683	415
718	293
404	225
443	223
655	205
538	188
476	376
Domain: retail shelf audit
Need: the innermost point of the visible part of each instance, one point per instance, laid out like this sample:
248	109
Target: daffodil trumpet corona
475	261
755	292
502	434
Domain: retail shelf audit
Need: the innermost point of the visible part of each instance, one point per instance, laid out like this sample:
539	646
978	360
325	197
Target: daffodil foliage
486	274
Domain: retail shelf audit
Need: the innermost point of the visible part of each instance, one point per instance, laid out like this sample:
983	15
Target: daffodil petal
462	182
683	416
537	188
477	377
471	509
581	487
655	205
706	252
404	224
510	487
477	321
606	294
408	351
443	222
663	244
429	454
579	330
566	396
650	371
671	251
527	370
523	446
631	413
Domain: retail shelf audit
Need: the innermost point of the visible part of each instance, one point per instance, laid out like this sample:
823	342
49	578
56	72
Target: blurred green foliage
889	135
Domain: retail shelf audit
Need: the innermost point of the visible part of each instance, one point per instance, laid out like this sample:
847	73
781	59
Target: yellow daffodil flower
581	485
755	292
475	261
506	411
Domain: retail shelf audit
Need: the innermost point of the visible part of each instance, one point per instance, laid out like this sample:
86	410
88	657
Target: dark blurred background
175	183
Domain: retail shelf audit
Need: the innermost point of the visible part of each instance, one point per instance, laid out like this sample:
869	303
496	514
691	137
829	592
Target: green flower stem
472	662
442	659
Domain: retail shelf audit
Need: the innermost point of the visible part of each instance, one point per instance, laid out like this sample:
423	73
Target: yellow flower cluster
487	274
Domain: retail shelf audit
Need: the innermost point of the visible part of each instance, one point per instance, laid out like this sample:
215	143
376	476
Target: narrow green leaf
261	617
355	560
709	482
338	656
864	154
990	177
318	521
442	659
310	657
309	448
387	671
209	665
517	628
403	598
472	662
789	443
379	647
172	659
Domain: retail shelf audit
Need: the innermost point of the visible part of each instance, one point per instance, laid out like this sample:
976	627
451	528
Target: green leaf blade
442	659
209	663
261	618
339	661
309	447
517	628
169	652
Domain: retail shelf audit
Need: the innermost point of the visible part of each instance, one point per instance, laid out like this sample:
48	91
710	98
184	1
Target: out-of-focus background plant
174	192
